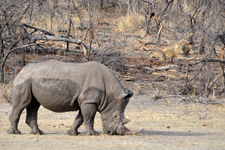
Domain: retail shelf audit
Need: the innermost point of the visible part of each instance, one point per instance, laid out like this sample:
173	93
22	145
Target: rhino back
76	72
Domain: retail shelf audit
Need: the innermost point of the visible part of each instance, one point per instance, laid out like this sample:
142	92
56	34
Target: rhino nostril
109	132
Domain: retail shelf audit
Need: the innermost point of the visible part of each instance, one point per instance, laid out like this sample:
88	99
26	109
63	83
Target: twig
207	86
185	113
187	75
214	80
211	102
159	34
207	60
172	96
167	96
148	43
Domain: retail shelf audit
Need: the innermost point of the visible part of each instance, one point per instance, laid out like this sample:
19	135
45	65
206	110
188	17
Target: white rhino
60	87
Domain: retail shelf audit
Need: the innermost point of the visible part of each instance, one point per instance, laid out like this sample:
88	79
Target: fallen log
36	37
48	36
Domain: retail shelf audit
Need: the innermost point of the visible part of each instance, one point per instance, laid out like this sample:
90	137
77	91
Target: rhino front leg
88	112
77	123
31	118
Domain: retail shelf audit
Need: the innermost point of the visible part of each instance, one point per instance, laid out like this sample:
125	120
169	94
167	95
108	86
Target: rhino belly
55	94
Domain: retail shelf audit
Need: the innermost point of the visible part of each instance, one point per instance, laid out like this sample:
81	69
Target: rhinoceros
60	87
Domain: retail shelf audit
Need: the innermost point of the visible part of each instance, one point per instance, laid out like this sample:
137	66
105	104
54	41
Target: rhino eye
115	116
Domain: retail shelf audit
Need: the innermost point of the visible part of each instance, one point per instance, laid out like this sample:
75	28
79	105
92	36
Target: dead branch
167	96
147	43
207	86
159	34
186	113
38	29
36	37
67	22
53	38
9	52
163	68
212	102
217	78
50	36
78	14
207	60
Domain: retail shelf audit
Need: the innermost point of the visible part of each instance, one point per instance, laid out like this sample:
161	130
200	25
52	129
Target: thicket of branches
21	26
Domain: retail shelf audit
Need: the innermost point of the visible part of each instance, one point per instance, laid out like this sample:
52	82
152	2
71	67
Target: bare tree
11	13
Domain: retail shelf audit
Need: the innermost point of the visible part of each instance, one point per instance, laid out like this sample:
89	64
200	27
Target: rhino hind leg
14	120
21	98
88	112
77	123
31	118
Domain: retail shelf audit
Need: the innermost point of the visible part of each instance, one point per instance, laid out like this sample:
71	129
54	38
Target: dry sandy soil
168	124
171	123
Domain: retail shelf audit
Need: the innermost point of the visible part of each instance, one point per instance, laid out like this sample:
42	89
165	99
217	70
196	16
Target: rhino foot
38	132
92	132
13	131
73	132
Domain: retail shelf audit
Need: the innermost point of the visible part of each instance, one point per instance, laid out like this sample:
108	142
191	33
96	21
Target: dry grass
130	22
5	91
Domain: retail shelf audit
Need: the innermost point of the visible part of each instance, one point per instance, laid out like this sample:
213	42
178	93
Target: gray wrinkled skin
60	87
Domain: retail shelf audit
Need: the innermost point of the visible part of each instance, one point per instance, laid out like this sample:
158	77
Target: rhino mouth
111	132
116	125
122	130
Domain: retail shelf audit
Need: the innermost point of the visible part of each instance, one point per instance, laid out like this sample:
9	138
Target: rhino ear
128	94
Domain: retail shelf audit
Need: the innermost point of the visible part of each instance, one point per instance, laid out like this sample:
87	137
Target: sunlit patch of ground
167	126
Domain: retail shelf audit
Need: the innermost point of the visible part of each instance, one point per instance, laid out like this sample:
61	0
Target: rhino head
113	119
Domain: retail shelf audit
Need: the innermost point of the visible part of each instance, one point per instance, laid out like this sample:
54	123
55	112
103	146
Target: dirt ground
168	123
181	122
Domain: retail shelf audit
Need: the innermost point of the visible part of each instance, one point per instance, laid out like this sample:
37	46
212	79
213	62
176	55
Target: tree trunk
202	47
137	6
149	14
78	14
68	33
130	10
1	57
101	5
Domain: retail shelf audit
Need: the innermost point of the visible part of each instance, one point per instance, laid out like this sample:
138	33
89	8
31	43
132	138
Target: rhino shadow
174	133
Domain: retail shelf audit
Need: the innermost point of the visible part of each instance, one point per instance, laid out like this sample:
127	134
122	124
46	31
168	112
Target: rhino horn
134	132
125	120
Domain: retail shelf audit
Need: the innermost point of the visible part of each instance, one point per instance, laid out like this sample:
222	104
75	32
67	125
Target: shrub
131	22
5	91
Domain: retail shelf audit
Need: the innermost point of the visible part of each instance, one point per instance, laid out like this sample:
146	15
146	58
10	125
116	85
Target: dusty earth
182	122
169	123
